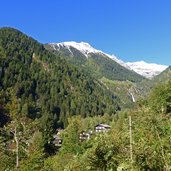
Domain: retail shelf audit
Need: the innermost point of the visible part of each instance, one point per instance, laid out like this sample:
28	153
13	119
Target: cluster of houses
100	128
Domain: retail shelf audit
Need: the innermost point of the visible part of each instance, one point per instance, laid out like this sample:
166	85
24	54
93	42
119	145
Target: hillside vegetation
145	86
46	84
150	130
119	80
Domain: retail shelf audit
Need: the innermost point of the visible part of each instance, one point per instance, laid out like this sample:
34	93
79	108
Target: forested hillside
46	84
145	86
39	92
148	135
139	139
115	77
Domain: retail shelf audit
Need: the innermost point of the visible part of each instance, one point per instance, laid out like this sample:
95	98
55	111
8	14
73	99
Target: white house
102	128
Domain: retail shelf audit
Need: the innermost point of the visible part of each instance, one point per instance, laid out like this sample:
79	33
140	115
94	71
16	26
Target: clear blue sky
133	30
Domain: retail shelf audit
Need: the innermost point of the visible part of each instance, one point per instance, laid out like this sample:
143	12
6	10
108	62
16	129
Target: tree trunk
17	147
130	136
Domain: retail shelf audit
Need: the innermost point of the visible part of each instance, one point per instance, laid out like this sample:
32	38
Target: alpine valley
122	78
66	106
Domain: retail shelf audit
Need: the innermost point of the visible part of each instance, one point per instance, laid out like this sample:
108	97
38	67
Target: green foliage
111	151
7	158
160	99
122	90
112	70
71	143
103	155
35	159
4	117
7	161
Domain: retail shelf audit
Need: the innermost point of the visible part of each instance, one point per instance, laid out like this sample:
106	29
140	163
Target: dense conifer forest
45	83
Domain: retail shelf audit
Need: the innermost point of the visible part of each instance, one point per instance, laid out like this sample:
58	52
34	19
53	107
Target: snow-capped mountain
95	62
148	70
83	47
86	49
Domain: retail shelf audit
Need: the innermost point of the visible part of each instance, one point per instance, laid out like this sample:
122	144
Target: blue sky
133	30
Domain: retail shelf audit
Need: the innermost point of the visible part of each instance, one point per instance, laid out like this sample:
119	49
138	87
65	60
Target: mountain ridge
94	61
86	49
148	70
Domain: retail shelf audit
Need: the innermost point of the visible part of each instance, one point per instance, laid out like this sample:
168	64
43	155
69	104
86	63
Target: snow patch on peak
83	47
148	70
86	49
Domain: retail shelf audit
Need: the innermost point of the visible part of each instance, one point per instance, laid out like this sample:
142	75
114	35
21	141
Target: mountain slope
95	62
163	76
146	85
47	86
116	75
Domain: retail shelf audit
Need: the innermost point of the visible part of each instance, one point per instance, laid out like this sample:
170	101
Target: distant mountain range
148	70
